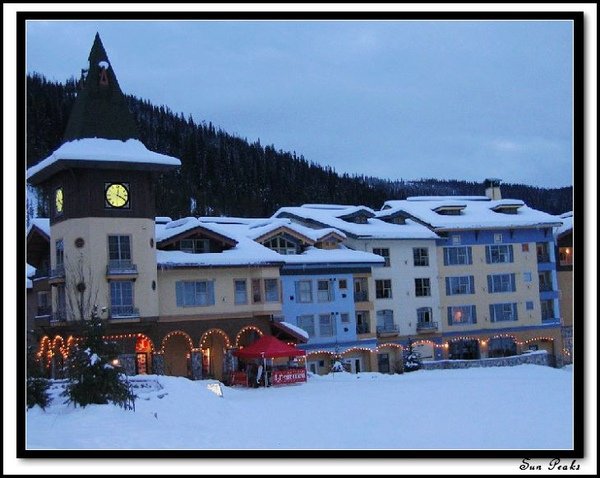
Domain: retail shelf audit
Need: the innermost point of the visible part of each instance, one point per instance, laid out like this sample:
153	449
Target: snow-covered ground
523	407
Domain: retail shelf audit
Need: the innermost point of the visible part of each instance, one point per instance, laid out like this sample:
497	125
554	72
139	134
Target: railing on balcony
41	273
543	257
363	328
548	317
58	272
426	326
121	267
545	287
387	329
58	316
362	296
43	311
124	312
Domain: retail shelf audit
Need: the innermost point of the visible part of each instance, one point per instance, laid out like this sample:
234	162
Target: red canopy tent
268	347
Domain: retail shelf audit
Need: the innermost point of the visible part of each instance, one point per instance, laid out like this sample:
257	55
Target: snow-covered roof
109	151
270	225
479	213
342	255
29	273
171	229
567	224
42	223
329	216
297	330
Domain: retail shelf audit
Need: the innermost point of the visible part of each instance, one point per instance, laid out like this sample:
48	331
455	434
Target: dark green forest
222	174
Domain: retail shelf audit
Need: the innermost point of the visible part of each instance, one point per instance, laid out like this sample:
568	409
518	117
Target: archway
389	358
247	336
425	349
176	349
214	345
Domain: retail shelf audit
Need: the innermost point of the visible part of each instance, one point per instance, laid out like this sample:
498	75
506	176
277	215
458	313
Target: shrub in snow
37	384
93	376
412	360
337	367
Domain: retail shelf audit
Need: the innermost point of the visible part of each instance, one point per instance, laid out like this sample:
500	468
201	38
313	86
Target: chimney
492	188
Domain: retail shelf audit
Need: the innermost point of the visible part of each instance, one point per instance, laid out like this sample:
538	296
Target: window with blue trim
195	294
503	312
462	315
501	283
458	285
454	256
499	254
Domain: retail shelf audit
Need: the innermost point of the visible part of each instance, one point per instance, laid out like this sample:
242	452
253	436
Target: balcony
545	287
122	269
43	312
361	296
58	317
363	328
387	330
57	275
425	327
543	257
124	312
41	274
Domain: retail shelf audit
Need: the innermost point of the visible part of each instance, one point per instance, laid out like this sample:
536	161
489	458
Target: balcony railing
58	316
387	329
58	272
125	267
362	296
363	328
41	273
124	312
545	287
427	326
43	311
543	257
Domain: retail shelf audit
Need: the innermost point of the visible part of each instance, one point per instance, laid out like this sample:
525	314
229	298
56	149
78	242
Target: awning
268	347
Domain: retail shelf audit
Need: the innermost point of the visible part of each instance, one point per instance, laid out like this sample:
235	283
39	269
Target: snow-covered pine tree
37	384
412	359
93	376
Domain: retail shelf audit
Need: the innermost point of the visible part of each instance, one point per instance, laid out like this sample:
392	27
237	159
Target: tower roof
100	109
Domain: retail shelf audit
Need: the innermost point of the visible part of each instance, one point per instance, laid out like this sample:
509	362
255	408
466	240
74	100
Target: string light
209	333
172	334
244	330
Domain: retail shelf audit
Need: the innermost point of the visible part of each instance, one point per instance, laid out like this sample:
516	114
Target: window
195	294
499	254
307	323
460	285
385	321
462	314
385	253
502	347
545	281
547	310
60	254
119	251
361	290
420	256
324	292
241	291
525	247
121	298
43	303
256	291
543	253
325	325
565	256
343	284
304	291
383	289
362	322
422	287
457	256
529	305
503	312
424	315
497	238
194	246
527	277
281	245
345	318
271	290
501	283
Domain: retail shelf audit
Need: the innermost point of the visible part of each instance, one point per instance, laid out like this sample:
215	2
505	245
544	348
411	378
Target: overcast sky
394	99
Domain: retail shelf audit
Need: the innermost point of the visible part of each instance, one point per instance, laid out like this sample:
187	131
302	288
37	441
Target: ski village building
464	278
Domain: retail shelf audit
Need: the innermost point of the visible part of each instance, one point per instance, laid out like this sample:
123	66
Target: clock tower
102	211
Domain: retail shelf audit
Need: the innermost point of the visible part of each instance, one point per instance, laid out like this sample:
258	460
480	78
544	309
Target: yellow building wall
479	269
223	278
565	285
89	262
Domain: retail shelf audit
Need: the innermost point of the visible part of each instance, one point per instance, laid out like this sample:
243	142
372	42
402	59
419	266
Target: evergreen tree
37	384
412	359
93	376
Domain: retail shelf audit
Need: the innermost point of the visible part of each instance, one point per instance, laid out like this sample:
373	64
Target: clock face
117	195
59	200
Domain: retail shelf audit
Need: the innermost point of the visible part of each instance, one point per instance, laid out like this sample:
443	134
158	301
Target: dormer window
194	246
507	208
360	219
449	210
281	245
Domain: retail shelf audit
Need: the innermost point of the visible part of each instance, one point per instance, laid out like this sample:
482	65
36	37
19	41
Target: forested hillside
222	174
